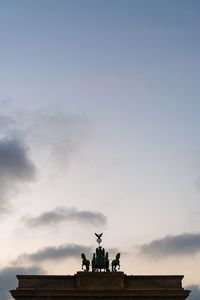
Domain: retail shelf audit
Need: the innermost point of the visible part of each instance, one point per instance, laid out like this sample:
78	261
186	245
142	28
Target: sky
99	132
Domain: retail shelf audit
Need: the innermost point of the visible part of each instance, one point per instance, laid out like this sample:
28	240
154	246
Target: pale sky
99	132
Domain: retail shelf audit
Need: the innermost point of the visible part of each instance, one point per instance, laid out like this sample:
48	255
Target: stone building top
103	285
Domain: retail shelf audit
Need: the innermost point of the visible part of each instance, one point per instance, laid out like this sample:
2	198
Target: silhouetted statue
107	262
85	262
100	260
93	262
116	263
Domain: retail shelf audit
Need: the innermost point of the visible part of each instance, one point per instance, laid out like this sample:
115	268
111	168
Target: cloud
15	168
63	214
14	162
64	135
183	244
195	292
6	122
8	278
55	253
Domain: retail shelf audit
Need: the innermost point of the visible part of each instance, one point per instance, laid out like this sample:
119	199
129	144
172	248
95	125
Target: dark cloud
195	292
55	253
14	162
8	278
15	167
62	214
183	244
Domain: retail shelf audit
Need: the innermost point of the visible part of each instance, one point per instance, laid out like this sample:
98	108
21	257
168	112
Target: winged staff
99	235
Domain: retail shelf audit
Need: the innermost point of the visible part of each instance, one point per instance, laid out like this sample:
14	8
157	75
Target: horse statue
85	262
116	263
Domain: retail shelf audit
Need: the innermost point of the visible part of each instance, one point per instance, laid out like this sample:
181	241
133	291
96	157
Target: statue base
100	280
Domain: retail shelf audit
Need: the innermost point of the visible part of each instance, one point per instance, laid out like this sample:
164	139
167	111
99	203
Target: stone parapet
99	285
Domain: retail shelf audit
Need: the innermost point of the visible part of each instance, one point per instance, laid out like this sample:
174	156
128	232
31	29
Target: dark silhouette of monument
101	285
100	259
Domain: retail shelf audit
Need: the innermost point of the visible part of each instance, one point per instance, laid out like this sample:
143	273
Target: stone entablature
99	285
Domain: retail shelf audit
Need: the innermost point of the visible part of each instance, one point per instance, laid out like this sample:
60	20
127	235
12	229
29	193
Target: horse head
83	256
118	256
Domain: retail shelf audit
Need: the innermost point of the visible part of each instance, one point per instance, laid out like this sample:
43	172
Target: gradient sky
99	132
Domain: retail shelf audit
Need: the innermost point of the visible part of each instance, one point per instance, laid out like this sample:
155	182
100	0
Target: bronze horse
116	263
85	262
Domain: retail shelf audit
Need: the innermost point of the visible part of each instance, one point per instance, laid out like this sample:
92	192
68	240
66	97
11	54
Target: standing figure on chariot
100	260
